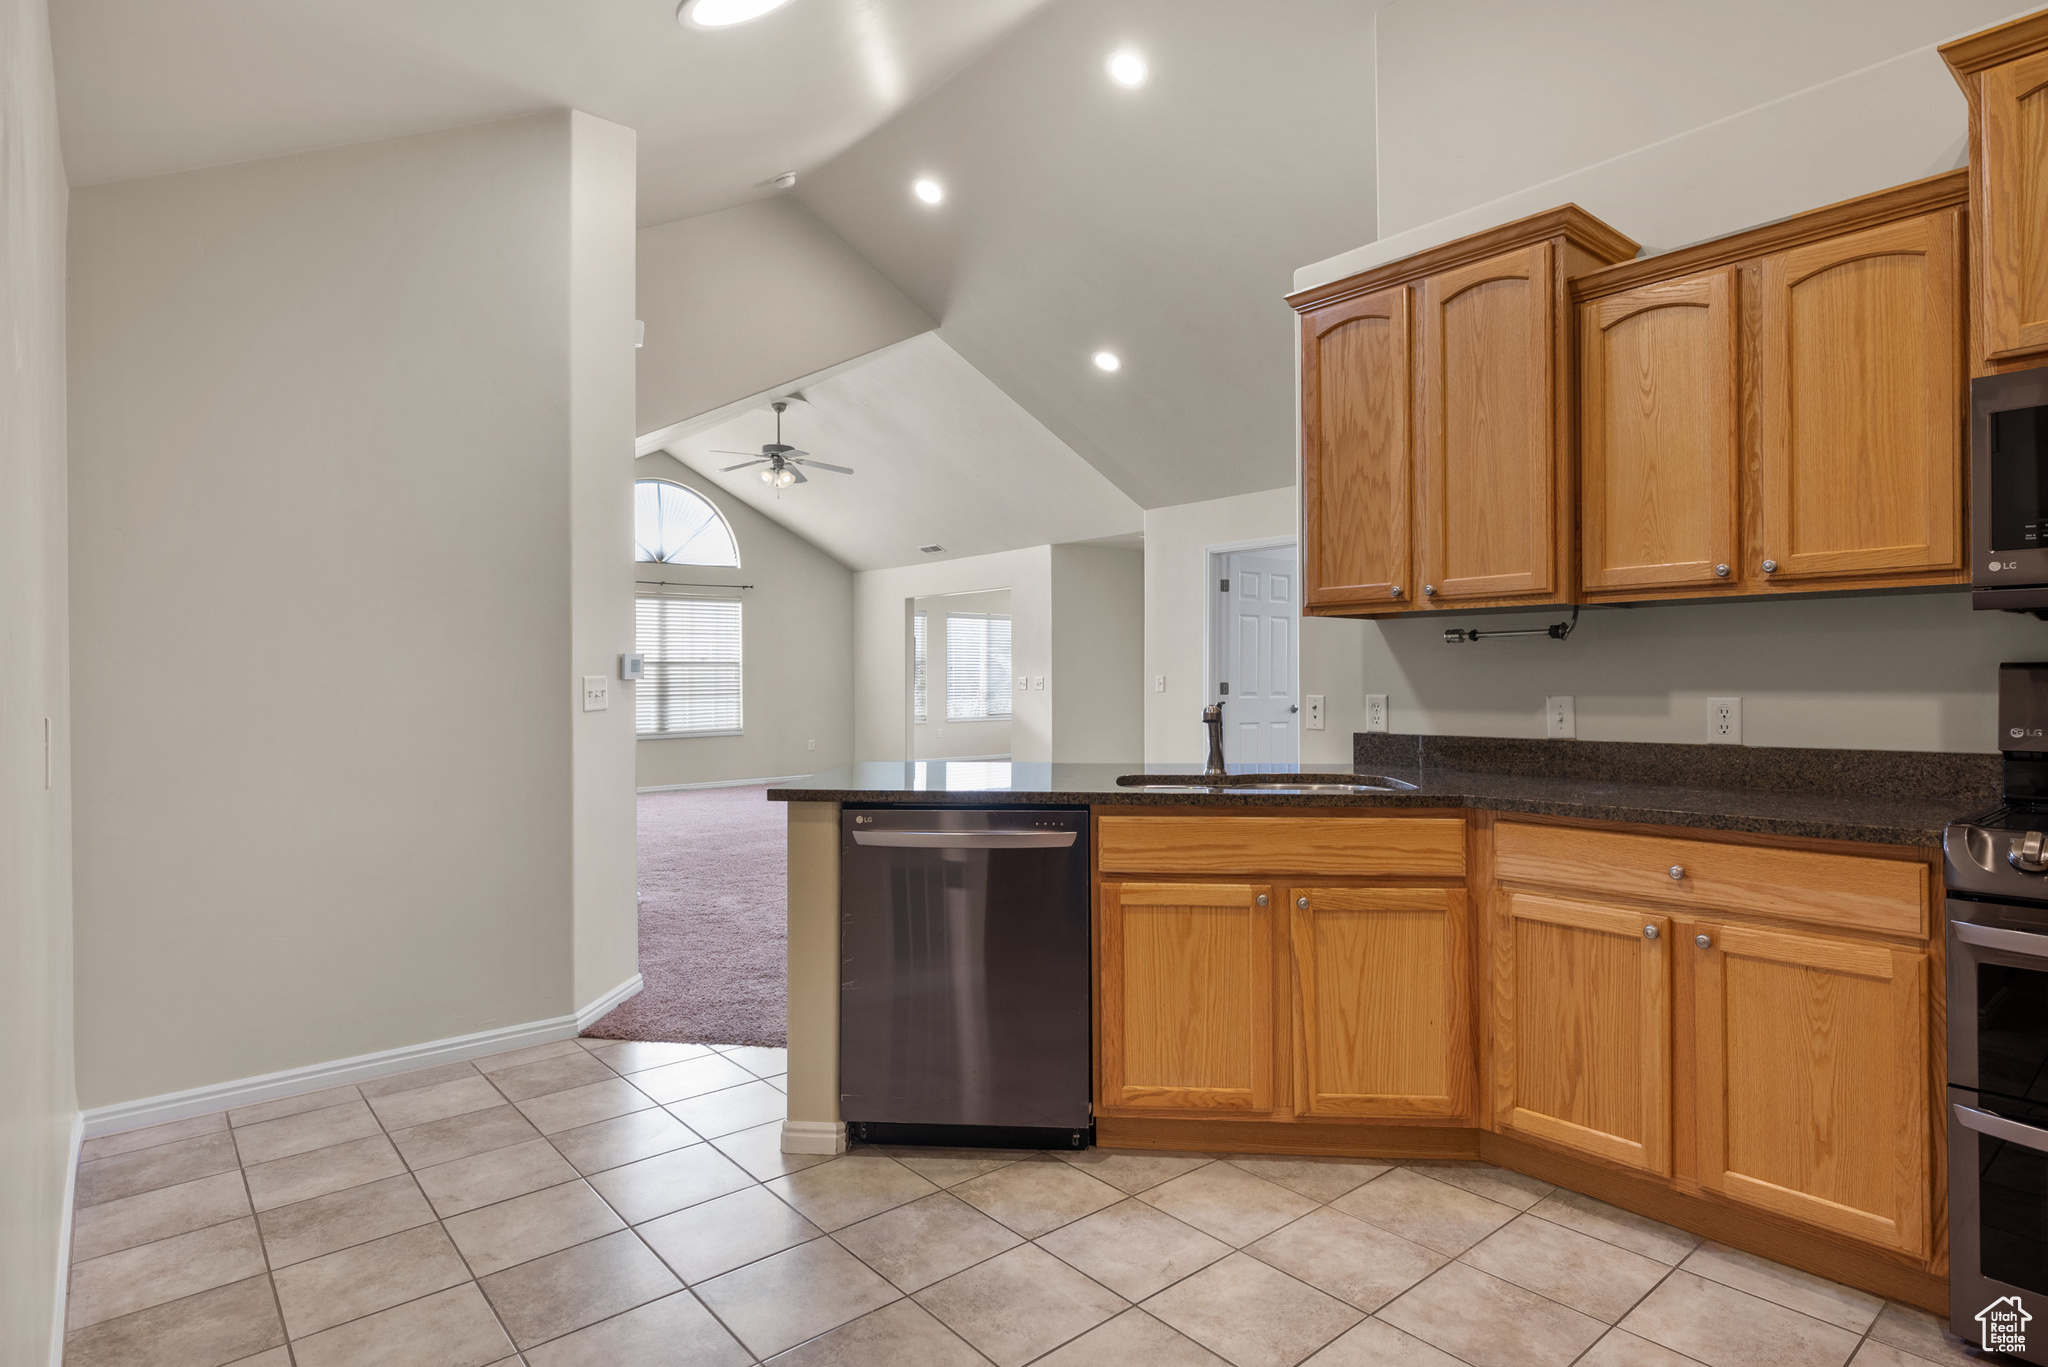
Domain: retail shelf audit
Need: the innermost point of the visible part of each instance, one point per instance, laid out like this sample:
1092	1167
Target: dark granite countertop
1881	797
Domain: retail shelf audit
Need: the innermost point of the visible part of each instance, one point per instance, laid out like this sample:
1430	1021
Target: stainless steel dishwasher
963	993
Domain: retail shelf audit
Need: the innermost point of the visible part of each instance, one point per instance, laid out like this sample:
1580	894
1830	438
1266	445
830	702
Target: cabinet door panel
1381	1018
1812	1058
1861	403
1658	433
1489	458
1582	1028
1187	996
2014	274
1357	452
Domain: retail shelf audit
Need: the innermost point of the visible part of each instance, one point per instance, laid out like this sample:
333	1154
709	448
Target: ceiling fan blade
755	454
792	451
821	465
742	465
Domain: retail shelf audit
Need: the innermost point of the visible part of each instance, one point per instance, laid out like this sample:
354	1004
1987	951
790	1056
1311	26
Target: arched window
673	525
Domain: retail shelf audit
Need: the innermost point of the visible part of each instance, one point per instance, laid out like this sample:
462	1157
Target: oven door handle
1998	1127
967	840
1997	937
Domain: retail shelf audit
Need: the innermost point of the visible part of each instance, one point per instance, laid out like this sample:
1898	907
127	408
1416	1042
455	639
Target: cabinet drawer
1888	896
1323	846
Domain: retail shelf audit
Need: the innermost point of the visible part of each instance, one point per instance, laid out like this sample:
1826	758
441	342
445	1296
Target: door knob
1649	932
1703	941
1262	899
1720	571
1292	708
1770	567
1677	872
1301	902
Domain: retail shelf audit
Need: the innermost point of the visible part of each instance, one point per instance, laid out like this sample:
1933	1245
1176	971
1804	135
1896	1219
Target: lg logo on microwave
2021	732
1998	565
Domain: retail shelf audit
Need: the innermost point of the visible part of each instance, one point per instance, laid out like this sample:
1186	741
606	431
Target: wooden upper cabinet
1382	985
2004	73
1812	1089
2015	154
1582	1028
1489	458
1861	412
1658	431
1358	455
1186	996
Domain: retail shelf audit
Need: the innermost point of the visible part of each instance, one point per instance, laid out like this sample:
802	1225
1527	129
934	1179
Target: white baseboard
722	783
814	1136
64	1242
220	1096
588	1016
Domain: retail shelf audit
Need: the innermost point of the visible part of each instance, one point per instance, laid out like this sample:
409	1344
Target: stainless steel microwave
2009	491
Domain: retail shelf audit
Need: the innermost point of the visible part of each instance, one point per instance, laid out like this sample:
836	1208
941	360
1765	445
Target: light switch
813	745
1023	683
1038	681
596	693
1159	683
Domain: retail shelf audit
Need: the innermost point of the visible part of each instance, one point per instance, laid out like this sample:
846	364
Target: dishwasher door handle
967	840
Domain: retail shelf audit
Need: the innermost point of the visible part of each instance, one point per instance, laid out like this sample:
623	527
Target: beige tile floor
590	1203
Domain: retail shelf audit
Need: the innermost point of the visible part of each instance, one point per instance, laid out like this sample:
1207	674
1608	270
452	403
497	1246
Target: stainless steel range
1997	875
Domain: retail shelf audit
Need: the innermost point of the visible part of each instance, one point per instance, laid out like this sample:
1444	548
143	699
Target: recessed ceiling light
929	190
1107	360
1127	68
724	13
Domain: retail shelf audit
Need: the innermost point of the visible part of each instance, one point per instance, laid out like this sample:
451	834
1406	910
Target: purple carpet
714	949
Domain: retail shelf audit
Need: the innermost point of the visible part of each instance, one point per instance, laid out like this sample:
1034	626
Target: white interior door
1261	710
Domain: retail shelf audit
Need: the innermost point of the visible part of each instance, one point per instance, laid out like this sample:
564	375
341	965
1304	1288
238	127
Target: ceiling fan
782	461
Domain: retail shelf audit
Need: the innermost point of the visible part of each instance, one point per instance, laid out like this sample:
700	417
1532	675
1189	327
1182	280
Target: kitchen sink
1267	783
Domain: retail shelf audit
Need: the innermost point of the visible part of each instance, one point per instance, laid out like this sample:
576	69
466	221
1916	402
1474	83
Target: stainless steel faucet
1212	717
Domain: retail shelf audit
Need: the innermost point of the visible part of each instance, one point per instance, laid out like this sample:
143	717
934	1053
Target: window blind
917	683
691	684
977	666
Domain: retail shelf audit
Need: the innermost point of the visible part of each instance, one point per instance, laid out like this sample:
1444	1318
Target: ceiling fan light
724	13
784	478
768	475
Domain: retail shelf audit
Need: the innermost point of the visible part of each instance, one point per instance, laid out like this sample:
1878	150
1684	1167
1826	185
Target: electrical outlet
1724	721
1159	683
1314	702
1560	717
1375	711
596	695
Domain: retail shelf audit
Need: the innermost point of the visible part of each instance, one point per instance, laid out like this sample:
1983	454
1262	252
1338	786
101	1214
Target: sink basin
1270	783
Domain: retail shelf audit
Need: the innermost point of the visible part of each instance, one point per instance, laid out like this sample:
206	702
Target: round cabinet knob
1301	902
1703	941
1394	592
1649	932
1677	872
1770	567
1720	571
1429	590
1262	899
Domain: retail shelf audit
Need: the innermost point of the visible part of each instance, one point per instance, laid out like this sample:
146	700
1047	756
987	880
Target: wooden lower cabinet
1382	986
1582	1028
1812	1083
1186	996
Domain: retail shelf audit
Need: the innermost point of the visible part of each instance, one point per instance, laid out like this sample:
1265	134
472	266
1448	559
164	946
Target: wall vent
932	549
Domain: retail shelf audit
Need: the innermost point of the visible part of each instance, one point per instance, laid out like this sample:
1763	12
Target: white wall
1478	98
1901	671
1098	652
797	650
881	652
742	300
37	1099
342	424
603	180
936	737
